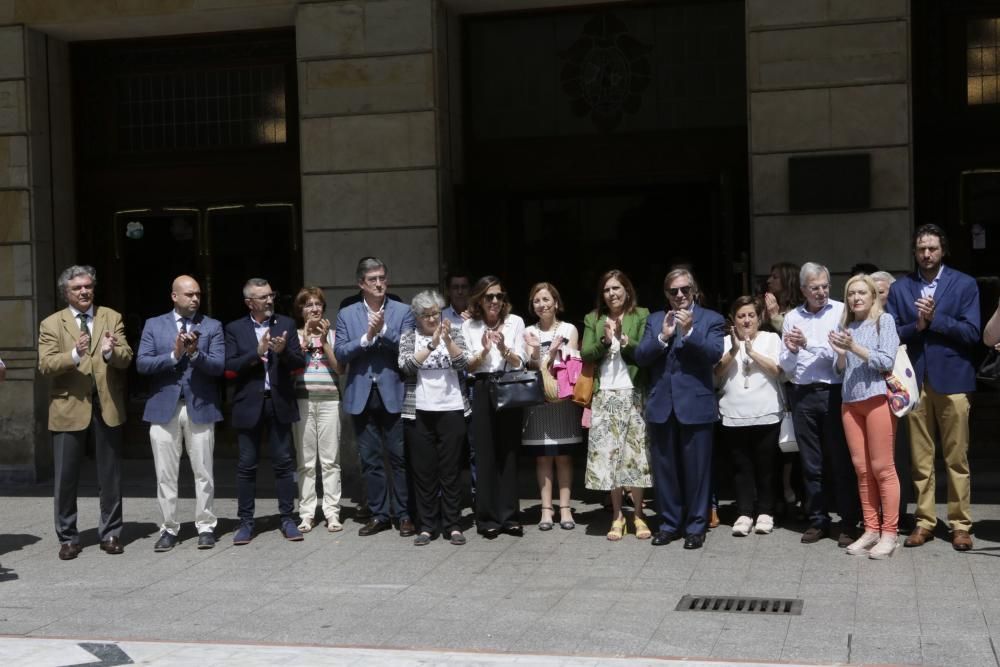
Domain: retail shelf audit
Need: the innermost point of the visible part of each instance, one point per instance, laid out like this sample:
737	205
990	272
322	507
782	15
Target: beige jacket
71	385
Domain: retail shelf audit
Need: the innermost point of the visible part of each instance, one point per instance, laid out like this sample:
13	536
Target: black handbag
516	389
989	371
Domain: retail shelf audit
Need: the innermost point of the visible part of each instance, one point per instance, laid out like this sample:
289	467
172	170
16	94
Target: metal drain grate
742	605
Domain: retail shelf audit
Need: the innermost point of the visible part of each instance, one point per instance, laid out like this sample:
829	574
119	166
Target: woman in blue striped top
866	345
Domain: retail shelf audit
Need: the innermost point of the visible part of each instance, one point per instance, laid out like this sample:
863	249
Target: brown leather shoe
406	528
918	537
961	540
112	545
713	518
69	551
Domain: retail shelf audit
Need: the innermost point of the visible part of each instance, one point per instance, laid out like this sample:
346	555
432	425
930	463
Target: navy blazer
681	377
377	363
198	377
943	352
247	370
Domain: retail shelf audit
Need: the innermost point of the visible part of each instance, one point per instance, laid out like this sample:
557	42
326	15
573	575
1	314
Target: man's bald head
186	295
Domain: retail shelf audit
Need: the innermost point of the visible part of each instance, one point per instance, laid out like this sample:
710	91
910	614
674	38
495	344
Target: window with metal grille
983	61
201	108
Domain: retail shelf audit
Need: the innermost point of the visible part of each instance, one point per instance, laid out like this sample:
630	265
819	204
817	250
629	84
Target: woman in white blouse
434	411
553	431
495	339
751	405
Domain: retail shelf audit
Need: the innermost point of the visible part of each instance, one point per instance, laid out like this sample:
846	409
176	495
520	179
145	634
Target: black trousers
68	449
496	437
752	449
435	442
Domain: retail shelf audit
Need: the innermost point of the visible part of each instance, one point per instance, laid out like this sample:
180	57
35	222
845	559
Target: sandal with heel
618	530
546	525
641	529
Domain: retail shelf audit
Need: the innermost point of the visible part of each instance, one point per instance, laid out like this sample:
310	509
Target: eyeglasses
496	296
816	289
431	316
265	297
674	291
373	280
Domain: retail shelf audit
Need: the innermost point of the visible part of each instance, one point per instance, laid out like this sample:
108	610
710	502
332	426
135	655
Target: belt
815	386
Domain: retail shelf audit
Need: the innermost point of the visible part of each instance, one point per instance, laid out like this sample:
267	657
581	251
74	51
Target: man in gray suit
184	353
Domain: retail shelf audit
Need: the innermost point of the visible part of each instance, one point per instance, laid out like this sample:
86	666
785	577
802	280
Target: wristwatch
431	346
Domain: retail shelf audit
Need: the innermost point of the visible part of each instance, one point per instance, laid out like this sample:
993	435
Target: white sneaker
742	526
884	549
765	524
860	546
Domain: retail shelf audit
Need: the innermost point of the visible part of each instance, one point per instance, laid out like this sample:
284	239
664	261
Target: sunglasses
674	291
496	296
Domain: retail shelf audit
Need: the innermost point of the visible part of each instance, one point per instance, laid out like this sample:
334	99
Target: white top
438	388
513	335
747	395
546	338
614	370
815	362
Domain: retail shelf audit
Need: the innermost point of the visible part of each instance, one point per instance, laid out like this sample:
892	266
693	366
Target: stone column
827	78
17	289
369	129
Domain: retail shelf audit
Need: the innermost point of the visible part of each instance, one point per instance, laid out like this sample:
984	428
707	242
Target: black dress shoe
69	551
662	537
694	541
406	528
374	526
206	540
513	528
112	546
165	543
489	533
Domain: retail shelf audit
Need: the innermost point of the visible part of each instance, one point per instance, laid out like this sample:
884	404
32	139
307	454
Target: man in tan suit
83	351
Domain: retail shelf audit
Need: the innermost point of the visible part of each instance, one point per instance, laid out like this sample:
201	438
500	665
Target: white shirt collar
76	313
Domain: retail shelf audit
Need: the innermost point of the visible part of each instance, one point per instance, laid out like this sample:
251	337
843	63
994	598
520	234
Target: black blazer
246	370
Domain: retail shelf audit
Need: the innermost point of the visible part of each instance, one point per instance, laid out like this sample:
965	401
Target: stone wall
369	128
828	77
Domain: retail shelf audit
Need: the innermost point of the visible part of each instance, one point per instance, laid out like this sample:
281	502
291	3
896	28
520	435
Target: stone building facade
380	112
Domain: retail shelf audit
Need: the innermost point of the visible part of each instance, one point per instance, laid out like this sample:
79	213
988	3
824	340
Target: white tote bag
786	436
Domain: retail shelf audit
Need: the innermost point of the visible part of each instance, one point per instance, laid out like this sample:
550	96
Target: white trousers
168	441
317	439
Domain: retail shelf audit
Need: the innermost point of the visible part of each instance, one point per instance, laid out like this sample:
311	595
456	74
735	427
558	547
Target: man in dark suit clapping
262	351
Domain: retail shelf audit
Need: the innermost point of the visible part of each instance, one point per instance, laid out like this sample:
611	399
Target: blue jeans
379	434
279	438
827	471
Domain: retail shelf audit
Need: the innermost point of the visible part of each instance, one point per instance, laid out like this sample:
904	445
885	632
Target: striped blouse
438	361
318	380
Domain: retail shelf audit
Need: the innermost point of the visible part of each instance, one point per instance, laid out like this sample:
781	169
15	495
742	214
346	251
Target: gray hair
254	282
883	276
811	270
75	271
426	300
369	264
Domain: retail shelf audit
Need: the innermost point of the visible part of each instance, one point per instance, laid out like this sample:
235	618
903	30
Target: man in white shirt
808	361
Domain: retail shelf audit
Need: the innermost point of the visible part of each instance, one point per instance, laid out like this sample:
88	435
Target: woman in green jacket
617	454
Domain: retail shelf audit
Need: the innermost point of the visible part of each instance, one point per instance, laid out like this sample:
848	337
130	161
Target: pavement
564	597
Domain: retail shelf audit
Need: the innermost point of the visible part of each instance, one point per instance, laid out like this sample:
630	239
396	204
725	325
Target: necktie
83	323
184	325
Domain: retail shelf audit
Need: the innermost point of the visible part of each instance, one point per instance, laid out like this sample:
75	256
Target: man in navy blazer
262	352
367	340
937	317
183	353
681	348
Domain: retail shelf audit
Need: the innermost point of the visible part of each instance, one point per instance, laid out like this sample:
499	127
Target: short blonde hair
875	312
